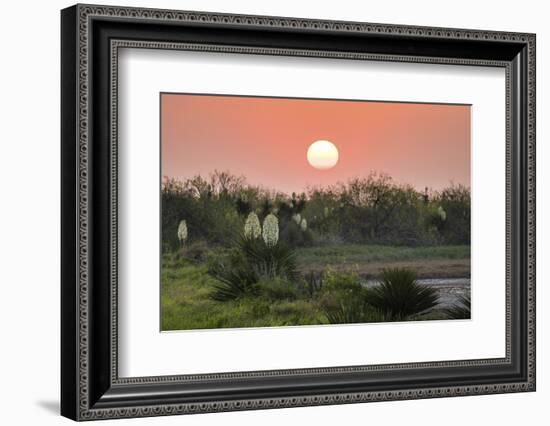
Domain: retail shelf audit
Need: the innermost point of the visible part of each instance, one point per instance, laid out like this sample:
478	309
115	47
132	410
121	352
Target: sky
266	140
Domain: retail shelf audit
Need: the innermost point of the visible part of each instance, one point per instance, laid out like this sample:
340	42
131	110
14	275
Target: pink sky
266	140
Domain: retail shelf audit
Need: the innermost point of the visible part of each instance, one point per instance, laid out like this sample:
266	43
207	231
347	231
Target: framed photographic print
263	212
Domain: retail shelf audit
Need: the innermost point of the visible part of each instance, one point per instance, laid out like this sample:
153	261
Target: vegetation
460	310
269	261
369	260
374	210
399	297
186	291
233	282
237	255
189	301
344	300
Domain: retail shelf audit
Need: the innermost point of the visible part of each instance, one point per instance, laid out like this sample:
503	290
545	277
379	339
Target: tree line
373	209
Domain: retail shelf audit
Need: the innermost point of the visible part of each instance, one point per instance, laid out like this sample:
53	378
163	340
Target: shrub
355	311
460	310
276	289
312	284
293	235
399	296
455	203
196	251
344	300
210	213
342	297
345	283
297	312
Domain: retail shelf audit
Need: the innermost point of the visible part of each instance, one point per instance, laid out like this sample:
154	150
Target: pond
450	289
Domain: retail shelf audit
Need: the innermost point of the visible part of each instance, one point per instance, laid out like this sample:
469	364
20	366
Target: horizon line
309	188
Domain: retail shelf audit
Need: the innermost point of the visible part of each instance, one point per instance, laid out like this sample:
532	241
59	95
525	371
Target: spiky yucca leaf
460	310
269	261
233	283
399	296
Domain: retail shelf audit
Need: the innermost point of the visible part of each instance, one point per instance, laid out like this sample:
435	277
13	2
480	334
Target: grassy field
185	303
368	261
186	285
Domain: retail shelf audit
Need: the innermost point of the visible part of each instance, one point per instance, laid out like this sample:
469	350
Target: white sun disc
322	155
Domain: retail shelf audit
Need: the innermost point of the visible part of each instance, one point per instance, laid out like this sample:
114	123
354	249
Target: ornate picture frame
91	37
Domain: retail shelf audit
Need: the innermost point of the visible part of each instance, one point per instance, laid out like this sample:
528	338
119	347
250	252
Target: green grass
186	304
186	285
355	253
369	260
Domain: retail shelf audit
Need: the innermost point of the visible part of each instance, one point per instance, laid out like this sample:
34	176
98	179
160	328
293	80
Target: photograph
273	208
280	211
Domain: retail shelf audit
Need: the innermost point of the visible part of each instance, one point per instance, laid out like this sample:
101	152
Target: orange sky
266	140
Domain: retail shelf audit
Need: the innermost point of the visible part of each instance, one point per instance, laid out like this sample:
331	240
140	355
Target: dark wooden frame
91	37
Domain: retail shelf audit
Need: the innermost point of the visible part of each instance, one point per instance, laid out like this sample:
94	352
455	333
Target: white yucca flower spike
297	218
326	211
442	213
303	224
182	231
270	233
252	227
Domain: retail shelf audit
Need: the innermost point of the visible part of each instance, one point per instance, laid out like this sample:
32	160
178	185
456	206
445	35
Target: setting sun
322	155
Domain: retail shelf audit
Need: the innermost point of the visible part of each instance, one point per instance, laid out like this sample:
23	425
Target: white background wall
29	212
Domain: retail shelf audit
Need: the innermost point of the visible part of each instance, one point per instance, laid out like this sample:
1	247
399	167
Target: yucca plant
460	310
399	296
269	261
233	283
